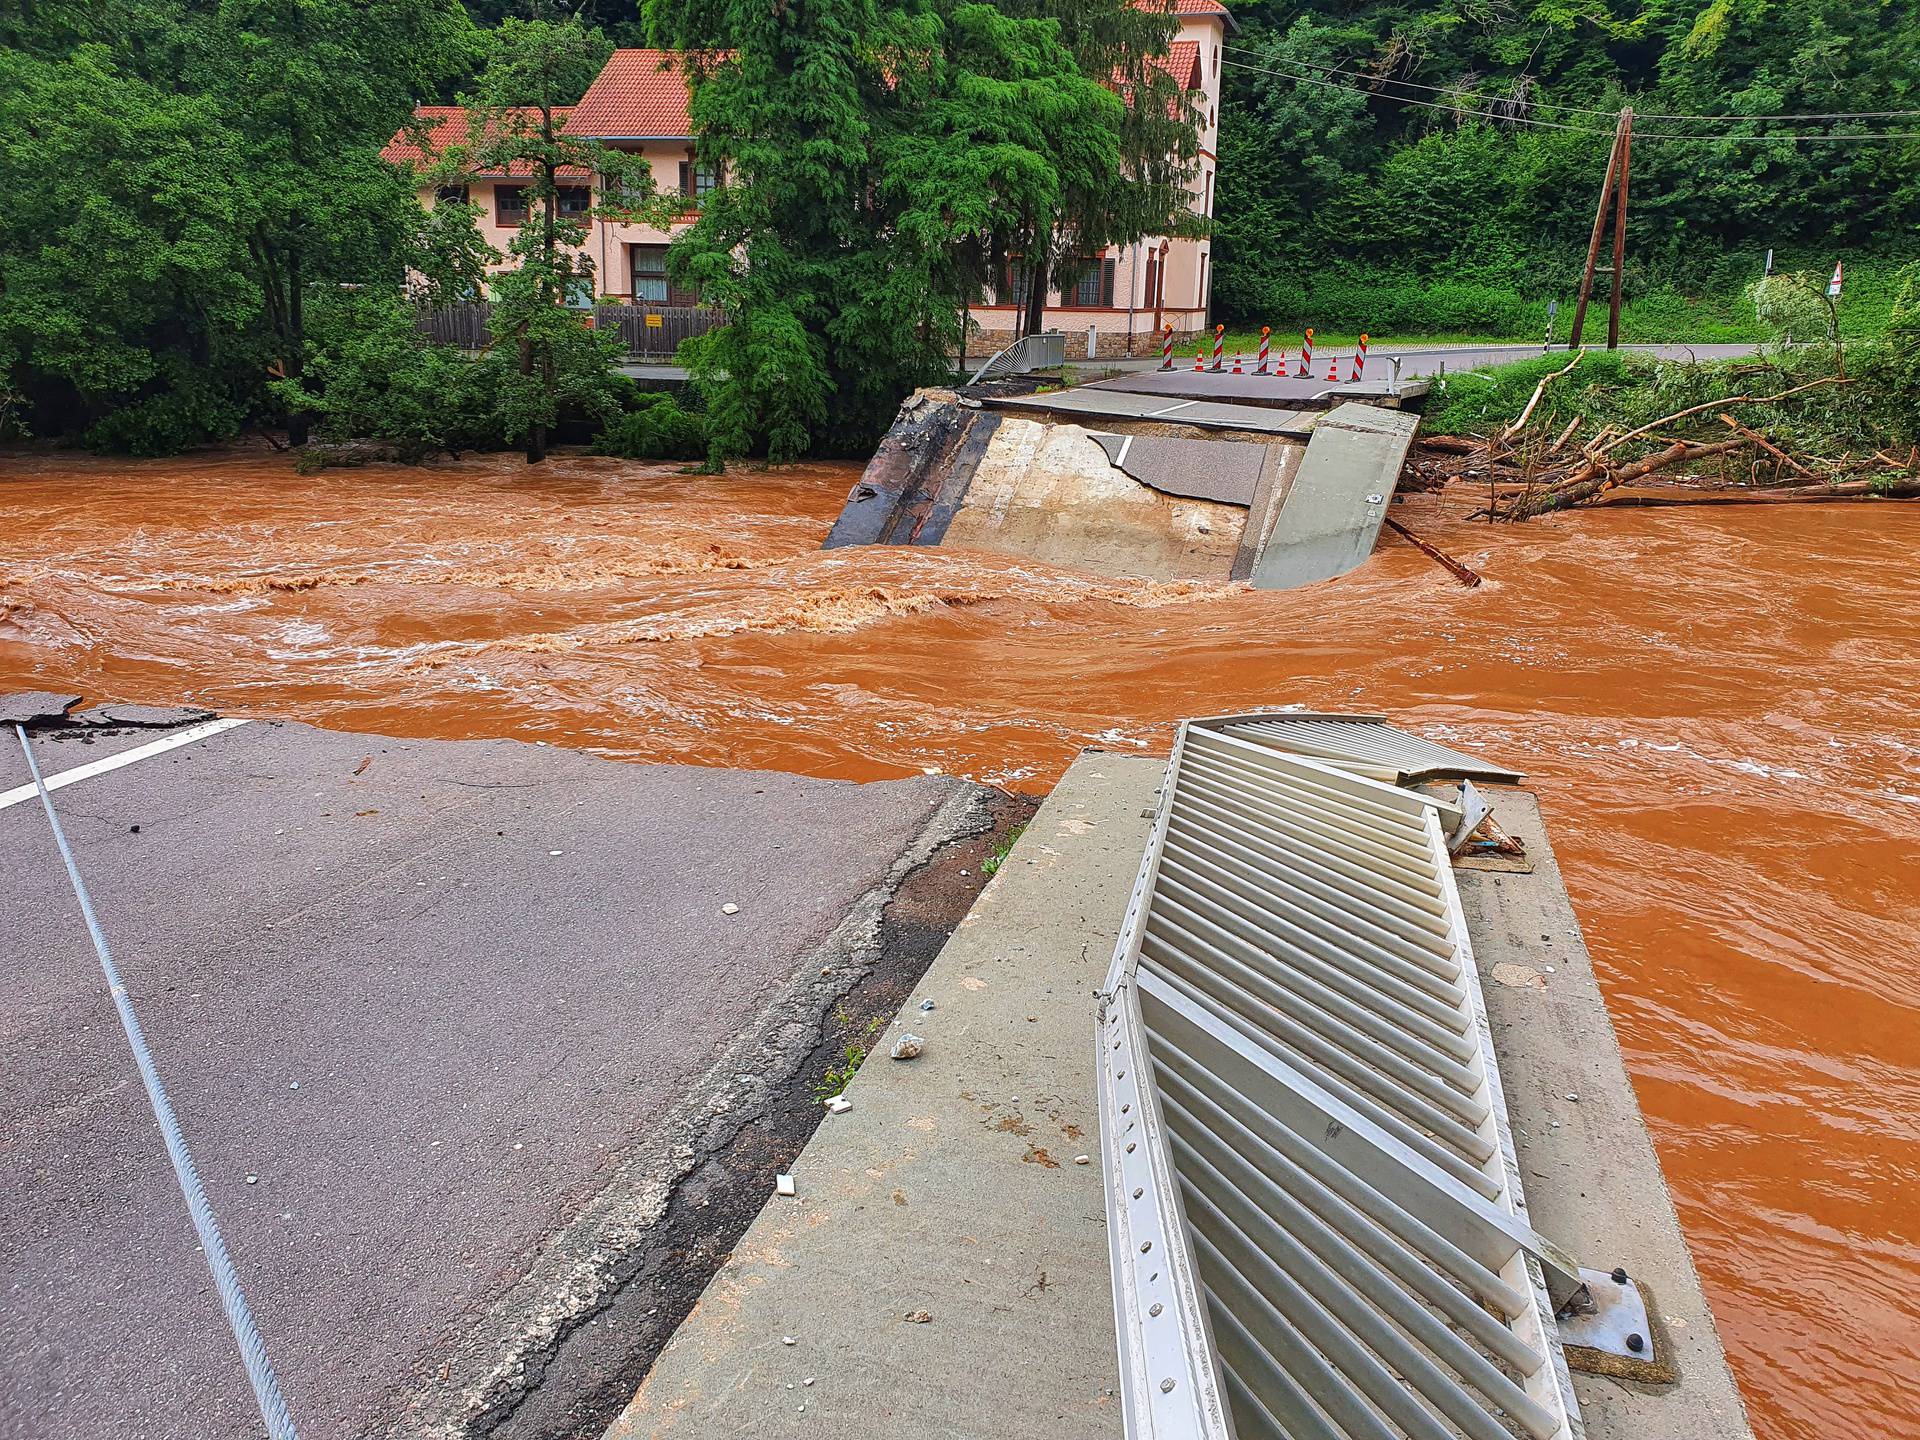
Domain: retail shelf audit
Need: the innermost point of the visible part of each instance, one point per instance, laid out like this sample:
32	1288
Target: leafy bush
657	429
193	409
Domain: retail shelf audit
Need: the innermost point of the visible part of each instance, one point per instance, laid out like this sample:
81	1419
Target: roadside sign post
1833	301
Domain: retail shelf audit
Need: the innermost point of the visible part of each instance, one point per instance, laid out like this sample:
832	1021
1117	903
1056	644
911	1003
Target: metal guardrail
1045	351
1314	1210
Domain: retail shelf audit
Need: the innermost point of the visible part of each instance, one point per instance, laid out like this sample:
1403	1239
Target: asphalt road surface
444	1024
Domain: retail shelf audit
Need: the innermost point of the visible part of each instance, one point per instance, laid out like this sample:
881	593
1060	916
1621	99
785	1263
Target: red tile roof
445	126
640	94
1190	7
1183	64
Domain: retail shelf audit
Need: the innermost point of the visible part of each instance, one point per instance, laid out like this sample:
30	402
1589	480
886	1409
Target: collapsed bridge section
1131	485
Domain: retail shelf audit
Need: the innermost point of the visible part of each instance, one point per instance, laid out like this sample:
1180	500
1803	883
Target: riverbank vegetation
1810	421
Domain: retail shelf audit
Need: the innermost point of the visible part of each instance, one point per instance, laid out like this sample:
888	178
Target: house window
650	283
1012	283
510	204
1203	281
1094	289
650	274
1209	209
450	195
697	179
575	201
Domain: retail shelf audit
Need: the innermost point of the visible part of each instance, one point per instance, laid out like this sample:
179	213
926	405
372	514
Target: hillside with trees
1434	166
203	237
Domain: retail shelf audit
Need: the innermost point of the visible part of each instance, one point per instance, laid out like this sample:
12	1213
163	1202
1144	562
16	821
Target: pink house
638	103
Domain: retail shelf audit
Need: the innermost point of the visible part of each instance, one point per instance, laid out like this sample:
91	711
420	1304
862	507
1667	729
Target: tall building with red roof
638	103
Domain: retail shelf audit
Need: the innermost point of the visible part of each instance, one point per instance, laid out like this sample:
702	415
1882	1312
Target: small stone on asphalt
786	1340
917	1317
907	1046
729	909
1083	1159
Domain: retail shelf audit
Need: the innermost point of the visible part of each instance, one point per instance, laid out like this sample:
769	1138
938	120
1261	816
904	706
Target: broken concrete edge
1592	1180
1602	1195
54	710
502	1356
1330	519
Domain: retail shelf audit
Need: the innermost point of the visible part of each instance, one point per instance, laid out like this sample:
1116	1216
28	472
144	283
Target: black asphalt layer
419	1006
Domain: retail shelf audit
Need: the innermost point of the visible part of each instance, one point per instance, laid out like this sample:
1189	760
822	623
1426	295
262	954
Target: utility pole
1613	191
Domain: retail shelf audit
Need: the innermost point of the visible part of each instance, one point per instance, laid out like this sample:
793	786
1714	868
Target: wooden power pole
1613	193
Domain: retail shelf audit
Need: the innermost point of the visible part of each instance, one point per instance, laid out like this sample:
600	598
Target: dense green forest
201	236
1434	166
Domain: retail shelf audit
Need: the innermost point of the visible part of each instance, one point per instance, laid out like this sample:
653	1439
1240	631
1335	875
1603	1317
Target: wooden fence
650	331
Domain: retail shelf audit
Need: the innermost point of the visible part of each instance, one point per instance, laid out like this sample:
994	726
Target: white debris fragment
783	1184
926	1004
729	909
907	1046
1083	1159
838	1104
786	1340
556	852
253	1179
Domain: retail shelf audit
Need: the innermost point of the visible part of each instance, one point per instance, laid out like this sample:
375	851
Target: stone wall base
1110	345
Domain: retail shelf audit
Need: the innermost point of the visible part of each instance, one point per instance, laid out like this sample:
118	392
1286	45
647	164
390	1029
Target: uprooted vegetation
1553	432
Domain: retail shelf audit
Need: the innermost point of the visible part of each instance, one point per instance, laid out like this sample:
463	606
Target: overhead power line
1535	122
1483	97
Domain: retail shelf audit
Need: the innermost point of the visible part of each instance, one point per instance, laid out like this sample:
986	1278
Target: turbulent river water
1717	708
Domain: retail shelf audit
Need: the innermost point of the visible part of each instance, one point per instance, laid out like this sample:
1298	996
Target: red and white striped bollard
1219	346
1261	368
1360	356
1166	350
1306	355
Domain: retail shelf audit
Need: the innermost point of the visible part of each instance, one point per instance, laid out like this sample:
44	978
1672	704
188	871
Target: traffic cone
1236	364
1333	368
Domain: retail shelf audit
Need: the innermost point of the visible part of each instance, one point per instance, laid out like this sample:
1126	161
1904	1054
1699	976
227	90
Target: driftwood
1465	574
1878	489
1525	477
1545	380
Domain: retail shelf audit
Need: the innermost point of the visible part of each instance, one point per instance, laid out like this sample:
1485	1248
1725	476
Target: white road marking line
114	762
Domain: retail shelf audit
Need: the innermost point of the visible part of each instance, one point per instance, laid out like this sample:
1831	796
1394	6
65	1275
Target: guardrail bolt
1635	1343
1619	1275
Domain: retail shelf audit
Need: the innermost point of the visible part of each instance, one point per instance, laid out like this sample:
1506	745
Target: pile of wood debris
1528	473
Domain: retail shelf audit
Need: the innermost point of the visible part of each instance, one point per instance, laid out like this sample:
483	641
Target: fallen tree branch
1666	420
1595	479
1765	444
1538	390
1465	574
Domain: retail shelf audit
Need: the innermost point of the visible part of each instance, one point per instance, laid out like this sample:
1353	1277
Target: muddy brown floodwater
1717	708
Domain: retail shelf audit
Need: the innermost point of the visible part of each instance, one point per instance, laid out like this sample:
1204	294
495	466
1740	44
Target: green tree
877	159
198	171
534	68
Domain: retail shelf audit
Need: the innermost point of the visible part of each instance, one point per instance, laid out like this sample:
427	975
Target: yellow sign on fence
654	322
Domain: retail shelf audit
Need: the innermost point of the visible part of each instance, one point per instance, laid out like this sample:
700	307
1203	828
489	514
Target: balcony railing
651	331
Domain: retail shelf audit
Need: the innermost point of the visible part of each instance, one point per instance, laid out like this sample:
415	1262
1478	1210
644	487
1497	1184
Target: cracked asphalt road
422	1008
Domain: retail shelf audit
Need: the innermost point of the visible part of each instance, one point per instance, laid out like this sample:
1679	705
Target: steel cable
253	1351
